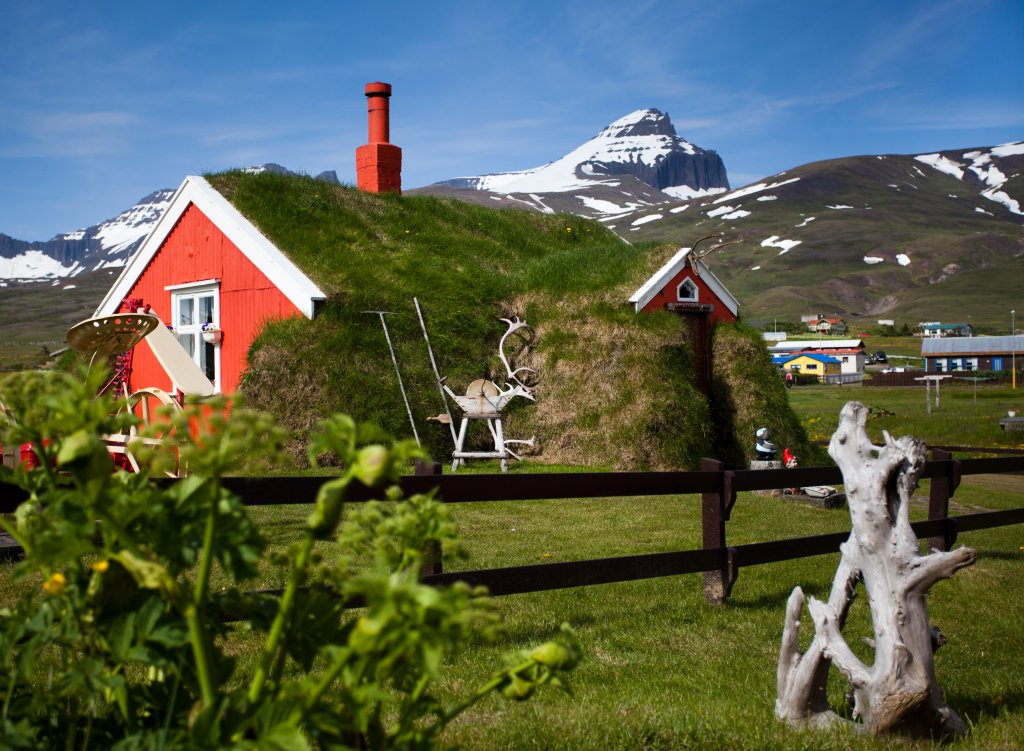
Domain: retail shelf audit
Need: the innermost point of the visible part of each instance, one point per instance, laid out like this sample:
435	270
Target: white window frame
689	284
193	291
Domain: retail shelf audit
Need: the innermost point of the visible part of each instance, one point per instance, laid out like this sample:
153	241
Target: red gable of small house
678	285
205	263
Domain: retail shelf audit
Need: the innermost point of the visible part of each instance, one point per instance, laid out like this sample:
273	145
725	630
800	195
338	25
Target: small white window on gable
687	290
192	307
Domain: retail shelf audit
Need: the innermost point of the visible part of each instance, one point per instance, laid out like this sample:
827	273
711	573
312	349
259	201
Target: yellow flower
568	229
547	555
101	566
55	584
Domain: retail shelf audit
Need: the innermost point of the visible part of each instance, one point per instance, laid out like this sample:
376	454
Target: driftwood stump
899	693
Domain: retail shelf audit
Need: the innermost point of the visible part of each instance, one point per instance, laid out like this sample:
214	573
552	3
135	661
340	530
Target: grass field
965	415
662	669
665	670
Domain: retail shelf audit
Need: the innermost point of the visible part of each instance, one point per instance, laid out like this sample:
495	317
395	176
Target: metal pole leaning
437	373
394	359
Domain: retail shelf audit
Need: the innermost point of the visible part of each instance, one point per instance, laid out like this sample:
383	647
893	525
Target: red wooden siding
194	251
705	296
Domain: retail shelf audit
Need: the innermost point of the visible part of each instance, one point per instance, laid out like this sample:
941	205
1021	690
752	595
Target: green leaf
150	575
78	445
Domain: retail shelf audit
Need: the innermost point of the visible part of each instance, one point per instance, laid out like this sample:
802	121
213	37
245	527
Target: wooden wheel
156	429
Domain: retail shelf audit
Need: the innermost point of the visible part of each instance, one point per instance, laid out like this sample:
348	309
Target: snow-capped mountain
936	235
637	161
105	245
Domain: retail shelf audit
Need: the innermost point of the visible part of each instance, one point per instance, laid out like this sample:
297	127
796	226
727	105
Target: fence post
942	490
431	556
715	508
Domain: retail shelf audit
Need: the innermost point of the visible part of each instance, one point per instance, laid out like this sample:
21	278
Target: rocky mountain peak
645	122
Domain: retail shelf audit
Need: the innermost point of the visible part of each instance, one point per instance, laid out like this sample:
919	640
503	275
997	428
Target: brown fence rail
906	378
717	486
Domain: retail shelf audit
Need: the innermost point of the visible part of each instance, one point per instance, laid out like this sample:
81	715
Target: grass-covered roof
615	388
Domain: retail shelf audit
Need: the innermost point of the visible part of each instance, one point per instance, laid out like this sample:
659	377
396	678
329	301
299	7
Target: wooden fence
906	378
718	561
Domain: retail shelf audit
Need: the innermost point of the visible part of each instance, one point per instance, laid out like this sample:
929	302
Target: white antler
514	325
696	256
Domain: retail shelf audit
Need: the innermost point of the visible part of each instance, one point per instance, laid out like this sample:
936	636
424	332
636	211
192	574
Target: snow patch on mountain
872	260
942	164
33	264
980	164
1008	149
776	242
645	219
756	188
685	192
720	210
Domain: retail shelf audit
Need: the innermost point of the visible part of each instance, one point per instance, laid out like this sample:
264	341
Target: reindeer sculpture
485	400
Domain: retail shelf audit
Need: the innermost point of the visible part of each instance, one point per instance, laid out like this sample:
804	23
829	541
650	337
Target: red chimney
379	162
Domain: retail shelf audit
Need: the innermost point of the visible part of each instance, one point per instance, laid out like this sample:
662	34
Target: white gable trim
675	264
285	275
808	344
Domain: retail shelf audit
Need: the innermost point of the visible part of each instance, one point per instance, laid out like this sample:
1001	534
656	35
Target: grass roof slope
615	389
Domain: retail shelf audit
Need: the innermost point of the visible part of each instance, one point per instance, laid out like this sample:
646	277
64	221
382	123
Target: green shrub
118	640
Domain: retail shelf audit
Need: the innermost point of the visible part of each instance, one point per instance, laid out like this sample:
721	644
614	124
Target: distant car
879	357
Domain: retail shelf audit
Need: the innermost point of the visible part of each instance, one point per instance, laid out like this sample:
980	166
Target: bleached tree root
899	692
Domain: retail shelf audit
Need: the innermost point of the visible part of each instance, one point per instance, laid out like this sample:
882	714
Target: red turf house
215	279
205	264
687	287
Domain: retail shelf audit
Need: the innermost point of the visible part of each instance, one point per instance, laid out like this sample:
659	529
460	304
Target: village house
826	325
824	367
214	279
936	330
977	353
849	352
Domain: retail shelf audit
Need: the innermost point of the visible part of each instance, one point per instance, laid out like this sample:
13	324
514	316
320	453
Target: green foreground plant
118	640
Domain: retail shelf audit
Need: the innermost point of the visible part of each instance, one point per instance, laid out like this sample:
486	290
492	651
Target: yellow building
810	364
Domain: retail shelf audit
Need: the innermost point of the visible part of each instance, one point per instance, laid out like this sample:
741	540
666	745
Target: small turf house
687	285
205	265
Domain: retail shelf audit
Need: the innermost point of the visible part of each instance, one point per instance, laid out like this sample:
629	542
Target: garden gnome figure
764	449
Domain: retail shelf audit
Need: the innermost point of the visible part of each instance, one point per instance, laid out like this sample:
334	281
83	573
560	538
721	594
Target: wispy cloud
906	36
940	116
67	134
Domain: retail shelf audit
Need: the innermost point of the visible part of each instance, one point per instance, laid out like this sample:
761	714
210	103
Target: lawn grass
665	670
965	416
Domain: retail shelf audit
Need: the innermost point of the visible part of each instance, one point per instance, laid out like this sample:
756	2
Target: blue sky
102	102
